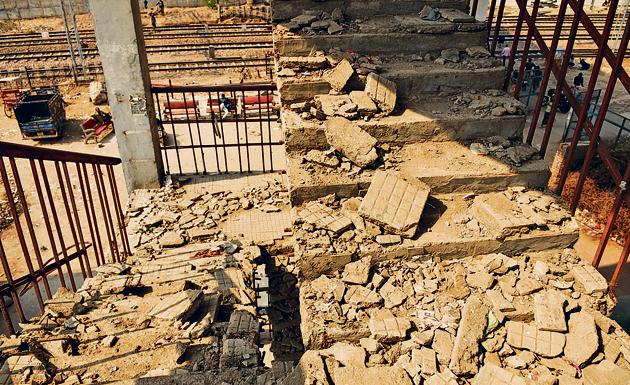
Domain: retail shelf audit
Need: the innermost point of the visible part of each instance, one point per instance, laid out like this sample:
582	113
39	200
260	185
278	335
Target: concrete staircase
443	107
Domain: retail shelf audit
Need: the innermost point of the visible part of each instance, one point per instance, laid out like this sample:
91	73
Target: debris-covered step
300	79
535	316
386	224
446	167
284	10
409	34
447	116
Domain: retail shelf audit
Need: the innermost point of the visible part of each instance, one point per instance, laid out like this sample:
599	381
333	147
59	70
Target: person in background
225	106
153	20
160	5
578	81
584	65
101	117
505	53
146	4
571	62
529	65
547	101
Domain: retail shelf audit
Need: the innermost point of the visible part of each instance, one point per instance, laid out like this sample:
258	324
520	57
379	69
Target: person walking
153	20
160	5
146	4
505	53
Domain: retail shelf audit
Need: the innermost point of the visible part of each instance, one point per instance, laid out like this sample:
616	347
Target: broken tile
381	90
545	343
351	141
590	279
549	312
324	217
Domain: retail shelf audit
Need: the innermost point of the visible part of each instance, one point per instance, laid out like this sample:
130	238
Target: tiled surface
324	217
524	336
258	226
493	375
394	202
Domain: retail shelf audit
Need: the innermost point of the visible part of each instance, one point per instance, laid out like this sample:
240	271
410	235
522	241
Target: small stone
109	341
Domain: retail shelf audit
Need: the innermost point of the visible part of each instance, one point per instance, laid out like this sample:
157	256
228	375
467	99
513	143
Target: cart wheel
8	112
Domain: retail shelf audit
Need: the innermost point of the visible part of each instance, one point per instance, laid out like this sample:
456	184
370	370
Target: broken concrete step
411	78
387	35
425	120
446	167
455	232
288	9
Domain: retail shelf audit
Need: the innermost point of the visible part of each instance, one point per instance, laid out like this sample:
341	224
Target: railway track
154	49
92	70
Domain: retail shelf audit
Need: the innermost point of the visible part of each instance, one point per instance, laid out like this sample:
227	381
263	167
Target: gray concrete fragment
464	359
350	140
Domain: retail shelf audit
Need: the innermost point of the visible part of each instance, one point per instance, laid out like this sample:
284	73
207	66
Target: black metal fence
208	130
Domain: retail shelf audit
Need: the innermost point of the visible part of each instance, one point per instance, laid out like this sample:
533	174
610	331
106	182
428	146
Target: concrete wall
29	9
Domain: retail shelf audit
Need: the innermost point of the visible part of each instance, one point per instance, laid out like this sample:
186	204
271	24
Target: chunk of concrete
365	104
382	375
549	312
389	329
605	373
350	140
339	76
582	339
499	214
544	343
178	307
304	62
464	359
357	272
383	91
443	346
392	295
172	239
361	297
394	203
346	354
98	93
491	374
590	279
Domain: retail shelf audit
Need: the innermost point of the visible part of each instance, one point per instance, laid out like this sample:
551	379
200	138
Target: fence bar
29	223
517	35
88	216
497	27
524	55
20	232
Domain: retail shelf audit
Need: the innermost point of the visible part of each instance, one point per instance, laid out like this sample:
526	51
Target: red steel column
586	102
528	44
603	109
560	79
548	63
497	27
517	35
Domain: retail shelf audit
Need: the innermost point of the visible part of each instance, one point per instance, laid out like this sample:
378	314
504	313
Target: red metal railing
66	213
605	54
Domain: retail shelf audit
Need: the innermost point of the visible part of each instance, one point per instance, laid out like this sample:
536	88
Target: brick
394	203
389	329
383	91
549	312
590	279
545	343
491	374
324	217
339	76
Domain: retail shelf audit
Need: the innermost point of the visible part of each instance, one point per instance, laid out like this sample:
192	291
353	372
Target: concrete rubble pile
315	22
188	315
535	318
172	217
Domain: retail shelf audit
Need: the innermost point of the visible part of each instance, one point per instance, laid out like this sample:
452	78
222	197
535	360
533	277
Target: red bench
179	109
95	132
248	103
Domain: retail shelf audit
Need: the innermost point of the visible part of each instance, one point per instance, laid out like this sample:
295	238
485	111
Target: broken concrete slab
523	336
303	62
324	217
339	76
497	212
351	141
361	296
357	272
365	104
394	203
582	339
384	375
464	358
605	373
549	312
177	307
491	374
389	329
383	91
590	279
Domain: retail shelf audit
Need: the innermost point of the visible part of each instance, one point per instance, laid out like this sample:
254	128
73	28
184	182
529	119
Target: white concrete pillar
120	41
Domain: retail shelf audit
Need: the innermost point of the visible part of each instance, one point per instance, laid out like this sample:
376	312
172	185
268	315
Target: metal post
601	116
70	49
497	27
548	64
77	37
517	36
586	102
524	56
560	79
489	22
